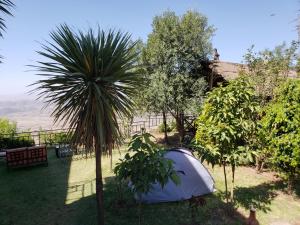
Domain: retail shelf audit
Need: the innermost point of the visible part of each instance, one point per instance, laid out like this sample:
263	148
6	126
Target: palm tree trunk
99	185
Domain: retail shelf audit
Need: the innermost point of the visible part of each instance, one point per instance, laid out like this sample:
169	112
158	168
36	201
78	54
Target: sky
239	24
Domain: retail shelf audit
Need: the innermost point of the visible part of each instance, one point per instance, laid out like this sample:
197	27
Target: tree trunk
225	178
232	183
165	126
140	213
291	183
99	185
180	125
259	164
211	81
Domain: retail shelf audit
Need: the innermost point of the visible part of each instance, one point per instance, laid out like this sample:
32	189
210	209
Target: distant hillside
27	112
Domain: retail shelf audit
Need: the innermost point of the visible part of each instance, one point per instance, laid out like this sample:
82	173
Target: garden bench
29	156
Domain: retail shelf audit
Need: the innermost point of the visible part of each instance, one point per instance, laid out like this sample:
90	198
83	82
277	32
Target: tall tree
177	49
90	79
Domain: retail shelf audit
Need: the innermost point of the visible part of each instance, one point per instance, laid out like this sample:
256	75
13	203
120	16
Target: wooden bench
29	156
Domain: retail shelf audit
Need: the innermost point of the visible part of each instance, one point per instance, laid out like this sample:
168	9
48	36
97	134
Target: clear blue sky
239	23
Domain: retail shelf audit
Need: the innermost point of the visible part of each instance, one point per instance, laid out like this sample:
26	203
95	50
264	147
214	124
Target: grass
64	194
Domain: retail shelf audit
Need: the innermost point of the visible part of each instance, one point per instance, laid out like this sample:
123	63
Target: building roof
230	71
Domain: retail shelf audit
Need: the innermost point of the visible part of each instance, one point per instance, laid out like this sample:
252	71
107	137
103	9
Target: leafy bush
172	125
10	139
15	142
7	127
282	126
144	165
51	138
161	128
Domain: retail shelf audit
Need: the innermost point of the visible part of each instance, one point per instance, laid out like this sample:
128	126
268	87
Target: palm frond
5	9
90	79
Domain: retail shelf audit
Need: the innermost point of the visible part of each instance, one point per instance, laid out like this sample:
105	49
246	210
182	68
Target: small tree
282	124
225	126
145	165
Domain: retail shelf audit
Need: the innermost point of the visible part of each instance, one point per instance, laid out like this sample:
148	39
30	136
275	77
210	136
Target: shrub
7	127
15	142
145	165
170	127
173	125
282	126
145	159
51	138
161	128
9	139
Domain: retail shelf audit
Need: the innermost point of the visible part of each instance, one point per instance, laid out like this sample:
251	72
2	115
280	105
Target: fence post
39	138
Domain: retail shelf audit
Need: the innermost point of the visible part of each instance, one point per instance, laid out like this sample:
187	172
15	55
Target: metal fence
58	136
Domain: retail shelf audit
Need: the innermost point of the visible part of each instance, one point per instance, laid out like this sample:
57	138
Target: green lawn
64	194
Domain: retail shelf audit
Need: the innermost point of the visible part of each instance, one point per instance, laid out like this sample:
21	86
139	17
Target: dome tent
195	180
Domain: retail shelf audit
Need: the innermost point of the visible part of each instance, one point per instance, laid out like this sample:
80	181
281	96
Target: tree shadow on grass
34	195
44	195
260	196
176	213
297	187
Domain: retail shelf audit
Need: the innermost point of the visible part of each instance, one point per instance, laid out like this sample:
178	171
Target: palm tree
5	6
90	80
